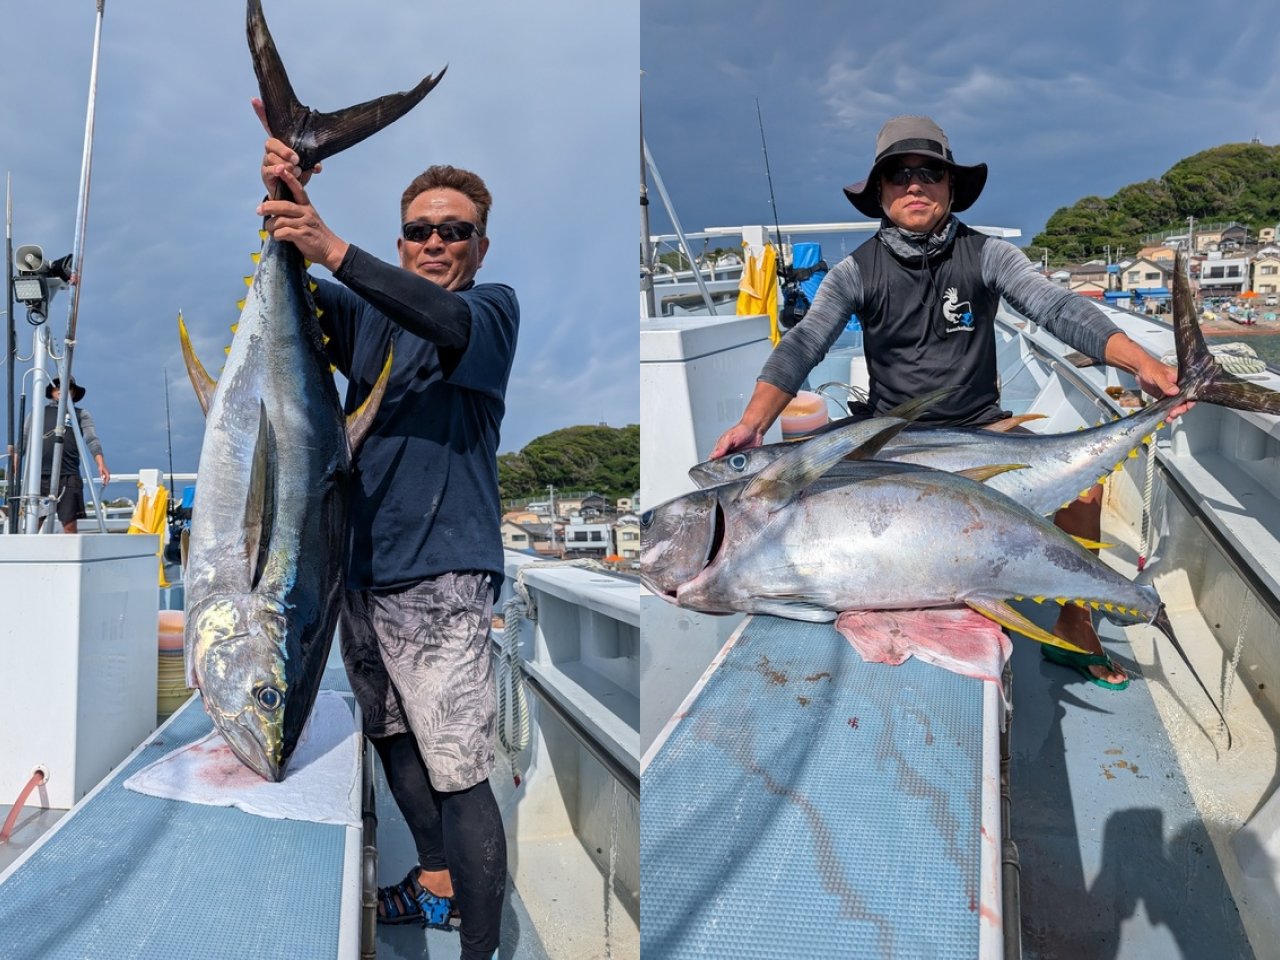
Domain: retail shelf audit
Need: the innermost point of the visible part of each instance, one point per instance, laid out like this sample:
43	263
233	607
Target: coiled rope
1235	357
513	698
1147	491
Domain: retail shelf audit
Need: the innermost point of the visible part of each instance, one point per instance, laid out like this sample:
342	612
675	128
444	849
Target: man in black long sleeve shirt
425	553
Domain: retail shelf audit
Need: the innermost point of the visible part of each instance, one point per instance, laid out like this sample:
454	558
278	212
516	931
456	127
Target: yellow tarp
150	516
758	290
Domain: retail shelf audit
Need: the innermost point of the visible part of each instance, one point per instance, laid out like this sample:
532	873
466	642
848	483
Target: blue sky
1060	100
540	99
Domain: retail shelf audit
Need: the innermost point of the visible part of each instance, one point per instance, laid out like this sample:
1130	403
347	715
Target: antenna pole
77	257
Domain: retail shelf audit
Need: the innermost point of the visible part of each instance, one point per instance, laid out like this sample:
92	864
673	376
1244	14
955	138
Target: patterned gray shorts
418	660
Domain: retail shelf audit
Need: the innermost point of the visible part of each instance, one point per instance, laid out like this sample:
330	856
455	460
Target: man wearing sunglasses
926	288
425	554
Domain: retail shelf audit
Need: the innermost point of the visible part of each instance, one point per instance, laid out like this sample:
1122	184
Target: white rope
1235	357
1148	489
513	700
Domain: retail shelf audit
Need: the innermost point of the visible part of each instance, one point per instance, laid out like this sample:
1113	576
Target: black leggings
460	831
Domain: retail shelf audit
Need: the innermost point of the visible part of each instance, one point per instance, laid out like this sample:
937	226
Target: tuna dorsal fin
259	508
911	409
1006	616
204	384
361	419
318	135
785	478
985	473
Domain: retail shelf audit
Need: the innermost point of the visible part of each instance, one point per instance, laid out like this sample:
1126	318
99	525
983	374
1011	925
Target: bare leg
1083	518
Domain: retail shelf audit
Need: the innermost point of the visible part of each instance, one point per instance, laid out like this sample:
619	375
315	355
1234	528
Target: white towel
321	782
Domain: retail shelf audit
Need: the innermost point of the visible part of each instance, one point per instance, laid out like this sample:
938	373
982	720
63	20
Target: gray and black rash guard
927	309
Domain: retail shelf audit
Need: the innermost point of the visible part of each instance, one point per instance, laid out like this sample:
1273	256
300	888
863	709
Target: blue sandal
1082	662
410	902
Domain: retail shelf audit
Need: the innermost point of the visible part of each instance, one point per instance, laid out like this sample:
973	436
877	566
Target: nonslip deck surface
133	876
807	804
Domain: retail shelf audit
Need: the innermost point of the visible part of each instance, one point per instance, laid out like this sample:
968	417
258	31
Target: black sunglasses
451	231
902	176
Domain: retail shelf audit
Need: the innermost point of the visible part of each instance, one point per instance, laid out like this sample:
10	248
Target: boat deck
125	874
1116	858
803	803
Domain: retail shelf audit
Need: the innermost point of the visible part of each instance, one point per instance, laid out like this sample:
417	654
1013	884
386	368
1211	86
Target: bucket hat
77	391
923	137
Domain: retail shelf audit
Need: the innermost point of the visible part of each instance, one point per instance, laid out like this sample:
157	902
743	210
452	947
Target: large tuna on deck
268	530
794	543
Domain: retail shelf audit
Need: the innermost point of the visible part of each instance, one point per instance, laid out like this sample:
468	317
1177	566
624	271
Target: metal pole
675	222
77	257
34	454
649	302
11	351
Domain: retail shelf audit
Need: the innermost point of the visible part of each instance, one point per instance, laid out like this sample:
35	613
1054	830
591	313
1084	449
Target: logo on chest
959	313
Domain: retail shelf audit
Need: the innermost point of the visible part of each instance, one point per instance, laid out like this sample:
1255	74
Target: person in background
70	495
425	558
926	288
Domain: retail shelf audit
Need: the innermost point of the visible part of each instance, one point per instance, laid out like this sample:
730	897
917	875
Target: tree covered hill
1236	181
600	458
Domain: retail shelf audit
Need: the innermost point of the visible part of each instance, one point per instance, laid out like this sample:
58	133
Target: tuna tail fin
204	384
1200	376
311	134
1161	622
361	419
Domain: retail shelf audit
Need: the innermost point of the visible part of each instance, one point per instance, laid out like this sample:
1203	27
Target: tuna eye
646	519
269	697
738	462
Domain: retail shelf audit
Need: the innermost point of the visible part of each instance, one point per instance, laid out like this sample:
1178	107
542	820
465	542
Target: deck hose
37	778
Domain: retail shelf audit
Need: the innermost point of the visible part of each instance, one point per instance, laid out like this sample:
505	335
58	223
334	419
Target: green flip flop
1081	662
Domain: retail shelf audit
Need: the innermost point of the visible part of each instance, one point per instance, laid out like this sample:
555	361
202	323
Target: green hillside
601	458
1236	181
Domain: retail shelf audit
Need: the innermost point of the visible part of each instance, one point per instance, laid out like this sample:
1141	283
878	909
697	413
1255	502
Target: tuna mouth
717	538
714	549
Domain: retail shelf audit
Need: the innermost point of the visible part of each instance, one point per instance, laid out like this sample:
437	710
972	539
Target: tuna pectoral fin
361	419
260	506
1008	423
1006	616
983	474
317	135
788	475
200	379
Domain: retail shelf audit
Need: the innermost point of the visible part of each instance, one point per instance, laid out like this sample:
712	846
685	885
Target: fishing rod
773	203
77	256
795	302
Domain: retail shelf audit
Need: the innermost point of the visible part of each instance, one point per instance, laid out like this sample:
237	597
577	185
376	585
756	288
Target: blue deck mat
812	805
140	877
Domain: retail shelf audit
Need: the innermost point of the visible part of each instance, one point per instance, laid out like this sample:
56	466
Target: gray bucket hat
921	136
